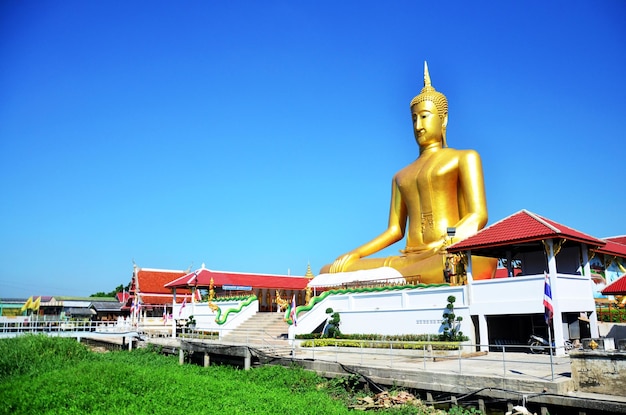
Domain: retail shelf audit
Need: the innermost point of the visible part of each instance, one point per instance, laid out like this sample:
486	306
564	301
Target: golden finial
427	83
309	273
429	93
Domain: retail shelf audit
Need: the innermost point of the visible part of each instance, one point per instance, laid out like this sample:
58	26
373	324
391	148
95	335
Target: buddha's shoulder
459	154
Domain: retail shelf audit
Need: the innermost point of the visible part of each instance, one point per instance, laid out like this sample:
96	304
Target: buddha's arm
393	233
472	198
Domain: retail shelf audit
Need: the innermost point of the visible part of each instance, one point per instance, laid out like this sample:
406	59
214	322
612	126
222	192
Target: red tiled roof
617	287
202	277
612	248
617	239
153	280
523	226
152	287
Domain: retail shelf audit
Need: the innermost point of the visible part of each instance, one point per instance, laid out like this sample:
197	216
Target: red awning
617	287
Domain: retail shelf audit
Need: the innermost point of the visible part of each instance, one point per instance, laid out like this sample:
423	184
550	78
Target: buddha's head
429	102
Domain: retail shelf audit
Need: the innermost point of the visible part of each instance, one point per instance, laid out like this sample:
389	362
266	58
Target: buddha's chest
428	175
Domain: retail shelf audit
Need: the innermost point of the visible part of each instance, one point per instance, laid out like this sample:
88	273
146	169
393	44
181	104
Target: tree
451	323
113	293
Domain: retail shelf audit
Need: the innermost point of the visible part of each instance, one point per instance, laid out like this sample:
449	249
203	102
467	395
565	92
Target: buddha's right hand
343	261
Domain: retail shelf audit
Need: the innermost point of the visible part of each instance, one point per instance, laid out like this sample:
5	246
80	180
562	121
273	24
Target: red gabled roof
612	248
152	289
617	239
523	226
153	280
202	277
617	287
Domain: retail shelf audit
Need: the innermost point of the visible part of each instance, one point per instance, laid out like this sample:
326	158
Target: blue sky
262	136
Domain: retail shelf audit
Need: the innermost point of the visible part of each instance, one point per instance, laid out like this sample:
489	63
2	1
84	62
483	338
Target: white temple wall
524	295
205	317
416	311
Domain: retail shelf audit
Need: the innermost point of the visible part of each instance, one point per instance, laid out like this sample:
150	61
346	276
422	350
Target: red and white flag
547	300
182	306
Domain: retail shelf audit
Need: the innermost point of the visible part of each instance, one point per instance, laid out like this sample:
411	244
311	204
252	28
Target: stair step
263	329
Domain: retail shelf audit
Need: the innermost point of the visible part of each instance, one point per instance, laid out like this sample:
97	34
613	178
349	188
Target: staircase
264	331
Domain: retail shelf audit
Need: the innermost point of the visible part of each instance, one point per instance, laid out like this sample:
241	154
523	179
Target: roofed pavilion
533	242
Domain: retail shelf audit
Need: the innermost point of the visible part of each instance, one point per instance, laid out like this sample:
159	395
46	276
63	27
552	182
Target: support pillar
557	321
483	332
593	316
247	359
181	356
207	359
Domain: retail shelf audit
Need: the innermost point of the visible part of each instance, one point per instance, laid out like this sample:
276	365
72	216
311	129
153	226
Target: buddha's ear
444	124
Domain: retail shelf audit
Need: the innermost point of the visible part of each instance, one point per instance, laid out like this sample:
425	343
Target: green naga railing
222	316
322	296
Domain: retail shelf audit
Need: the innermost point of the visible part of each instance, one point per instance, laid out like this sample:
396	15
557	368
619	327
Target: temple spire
309	273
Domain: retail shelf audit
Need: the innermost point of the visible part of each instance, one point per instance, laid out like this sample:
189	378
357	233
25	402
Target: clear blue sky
261	136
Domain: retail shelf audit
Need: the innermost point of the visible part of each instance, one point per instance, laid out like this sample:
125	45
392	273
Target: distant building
49	308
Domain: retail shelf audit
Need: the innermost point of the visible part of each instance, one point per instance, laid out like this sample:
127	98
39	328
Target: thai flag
164	314
292	313
182	306
133	307
547	300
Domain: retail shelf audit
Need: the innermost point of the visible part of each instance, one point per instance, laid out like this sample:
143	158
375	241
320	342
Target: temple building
266	287
148	295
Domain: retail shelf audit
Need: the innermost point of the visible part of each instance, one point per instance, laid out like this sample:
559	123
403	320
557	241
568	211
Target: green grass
42	375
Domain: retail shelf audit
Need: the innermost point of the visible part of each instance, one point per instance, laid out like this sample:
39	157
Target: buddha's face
428	127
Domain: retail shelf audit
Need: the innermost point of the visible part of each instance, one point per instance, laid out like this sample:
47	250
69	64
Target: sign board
236	288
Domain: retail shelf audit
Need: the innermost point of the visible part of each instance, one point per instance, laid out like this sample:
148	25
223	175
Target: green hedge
406	345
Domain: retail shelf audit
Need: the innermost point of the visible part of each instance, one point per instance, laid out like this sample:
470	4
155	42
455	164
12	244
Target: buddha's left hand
343	261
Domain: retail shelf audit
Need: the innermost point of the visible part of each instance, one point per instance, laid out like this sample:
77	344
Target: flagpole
550	349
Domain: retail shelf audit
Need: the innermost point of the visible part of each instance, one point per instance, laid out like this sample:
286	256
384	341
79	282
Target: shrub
35	353
451	323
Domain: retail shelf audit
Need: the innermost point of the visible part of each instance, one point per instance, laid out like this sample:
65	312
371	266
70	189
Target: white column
174	315
557	321
483	333
593	316
470	279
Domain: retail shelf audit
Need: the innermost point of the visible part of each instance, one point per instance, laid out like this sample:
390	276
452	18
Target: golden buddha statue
443	188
